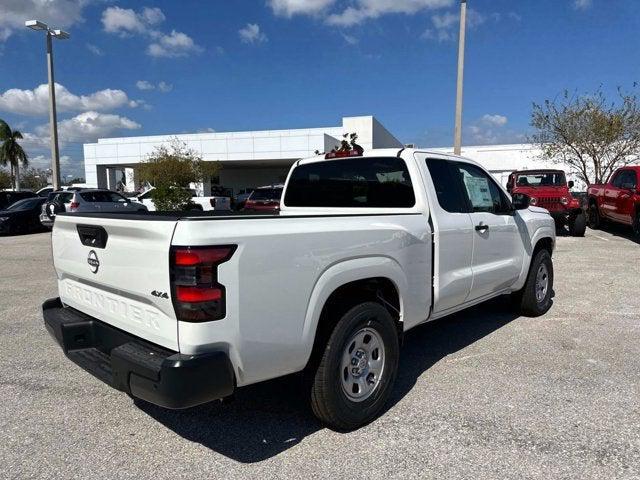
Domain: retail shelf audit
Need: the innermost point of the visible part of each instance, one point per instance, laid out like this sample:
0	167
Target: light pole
457	136
55	154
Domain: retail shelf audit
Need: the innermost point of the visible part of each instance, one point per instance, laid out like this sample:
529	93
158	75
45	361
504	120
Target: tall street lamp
457	138
55	154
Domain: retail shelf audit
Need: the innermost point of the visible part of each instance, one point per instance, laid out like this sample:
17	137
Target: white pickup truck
181	310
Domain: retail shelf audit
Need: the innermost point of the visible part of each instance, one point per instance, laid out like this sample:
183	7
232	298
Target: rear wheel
594	216
535	298
358	368
577	225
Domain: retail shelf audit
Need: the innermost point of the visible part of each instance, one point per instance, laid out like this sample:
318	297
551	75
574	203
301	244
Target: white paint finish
106	151
119	294
285	268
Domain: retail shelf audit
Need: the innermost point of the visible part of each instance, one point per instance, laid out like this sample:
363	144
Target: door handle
482	228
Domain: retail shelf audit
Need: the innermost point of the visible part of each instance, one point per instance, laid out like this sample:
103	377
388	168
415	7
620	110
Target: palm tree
11	152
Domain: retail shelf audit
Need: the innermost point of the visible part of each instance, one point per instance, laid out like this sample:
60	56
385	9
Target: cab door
623	206
498	249
453	241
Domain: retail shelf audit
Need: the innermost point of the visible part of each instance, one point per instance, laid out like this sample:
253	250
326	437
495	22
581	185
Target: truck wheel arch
345	285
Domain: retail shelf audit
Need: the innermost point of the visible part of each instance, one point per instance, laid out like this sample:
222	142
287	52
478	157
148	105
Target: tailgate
117	270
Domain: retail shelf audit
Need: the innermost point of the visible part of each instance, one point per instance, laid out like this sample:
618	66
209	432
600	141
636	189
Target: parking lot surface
483	394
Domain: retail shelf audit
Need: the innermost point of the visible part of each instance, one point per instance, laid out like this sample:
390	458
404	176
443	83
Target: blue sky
161	67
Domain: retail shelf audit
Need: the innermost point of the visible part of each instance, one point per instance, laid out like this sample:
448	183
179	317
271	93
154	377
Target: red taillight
74	205
197	295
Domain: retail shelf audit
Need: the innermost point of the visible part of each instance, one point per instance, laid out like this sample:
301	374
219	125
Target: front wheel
358	368
636	225
535	297
577	225
594	217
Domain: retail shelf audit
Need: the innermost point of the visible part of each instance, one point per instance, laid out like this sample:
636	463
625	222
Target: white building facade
254	158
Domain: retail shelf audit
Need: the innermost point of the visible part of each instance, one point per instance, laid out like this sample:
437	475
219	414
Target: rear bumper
130	364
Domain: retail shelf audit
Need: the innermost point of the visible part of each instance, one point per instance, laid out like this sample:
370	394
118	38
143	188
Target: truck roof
386	152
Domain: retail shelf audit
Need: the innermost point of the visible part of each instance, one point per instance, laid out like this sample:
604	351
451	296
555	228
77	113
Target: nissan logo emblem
92	260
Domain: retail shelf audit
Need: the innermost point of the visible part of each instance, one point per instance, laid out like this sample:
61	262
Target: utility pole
457	140
53	121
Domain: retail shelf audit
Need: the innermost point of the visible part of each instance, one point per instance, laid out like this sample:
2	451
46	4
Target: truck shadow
618	230
266	419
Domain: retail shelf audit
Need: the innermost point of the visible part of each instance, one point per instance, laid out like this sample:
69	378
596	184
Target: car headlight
533	201
564	200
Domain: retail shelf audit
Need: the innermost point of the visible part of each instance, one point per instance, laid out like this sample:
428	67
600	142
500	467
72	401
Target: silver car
87	200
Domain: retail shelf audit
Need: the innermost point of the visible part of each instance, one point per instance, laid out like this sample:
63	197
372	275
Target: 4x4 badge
158	294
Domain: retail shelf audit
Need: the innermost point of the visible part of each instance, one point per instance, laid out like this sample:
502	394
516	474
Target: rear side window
363	182
450	196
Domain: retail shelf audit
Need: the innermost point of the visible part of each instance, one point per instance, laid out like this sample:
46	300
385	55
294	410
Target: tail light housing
196	293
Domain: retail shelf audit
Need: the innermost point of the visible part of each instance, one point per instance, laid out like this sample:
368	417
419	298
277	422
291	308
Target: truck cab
550	190
618	200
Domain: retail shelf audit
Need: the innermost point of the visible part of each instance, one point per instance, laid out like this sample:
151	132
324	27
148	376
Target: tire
595	221
341	397
636	224
527	300
578	225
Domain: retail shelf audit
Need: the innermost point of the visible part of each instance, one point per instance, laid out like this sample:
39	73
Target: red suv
264	199
549	189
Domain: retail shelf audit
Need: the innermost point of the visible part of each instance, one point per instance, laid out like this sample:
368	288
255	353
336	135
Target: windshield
27	204
542	179
266	194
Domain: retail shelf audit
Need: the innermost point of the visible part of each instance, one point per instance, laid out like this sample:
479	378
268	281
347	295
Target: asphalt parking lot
484	394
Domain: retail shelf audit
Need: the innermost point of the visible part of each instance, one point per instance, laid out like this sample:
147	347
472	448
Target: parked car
264	199
90	200
180	311
549	189
617	201
241	198
198	203
9	197
21	216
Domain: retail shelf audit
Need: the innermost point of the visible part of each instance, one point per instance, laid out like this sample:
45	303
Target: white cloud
371	9
350	39
289	8
495	120
144	85
126	22
162	86
165	87
582	4
123	21
86	127
251	34
94	49
36	101
491	129
445	26
175	44
57	13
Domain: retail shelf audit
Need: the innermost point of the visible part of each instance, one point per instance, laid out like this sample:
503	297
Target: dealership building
263	157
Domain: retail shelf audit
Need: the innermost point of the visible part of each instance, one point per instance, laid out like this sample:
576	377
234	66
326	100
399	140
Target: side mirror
570	184
521	201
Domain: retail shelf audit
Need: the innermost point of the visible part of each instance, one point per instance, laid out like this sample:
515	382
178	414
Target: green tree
11	152
170	169
5	179
588	133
